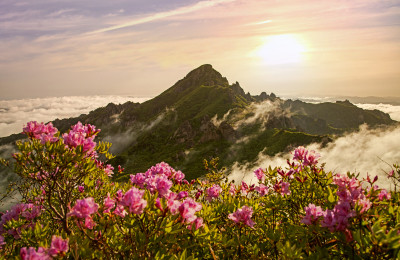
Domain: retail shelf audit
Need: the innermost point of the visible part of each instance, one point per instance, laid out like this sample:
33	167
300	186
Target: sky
140	48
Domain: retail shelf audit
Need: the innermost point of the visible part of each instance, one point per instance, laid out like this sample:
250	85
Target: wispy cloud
158	16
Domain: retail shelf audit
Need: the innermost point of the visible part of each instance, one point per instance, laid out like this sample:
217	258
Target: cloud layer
15	113
371	151
393	111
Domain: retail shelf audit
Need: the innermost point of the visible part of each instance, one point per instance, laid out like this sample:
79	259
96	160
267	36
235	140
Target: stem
240	249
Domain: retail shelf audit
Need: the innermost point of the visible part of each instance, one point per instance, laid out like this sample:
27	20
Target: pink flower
158	204
58	246
173	205
89	223
300	153
312	214
244	189
109	203
285	188
119	195
133	199
182	194
260	174
329	220
282	188
84	208
311	158
2	243
32	254
232	189
159	183
243	216
213	192
342	212
81	189
384	195
179	176
262	190
45	133
198	223
81	135
365	203
188	209
198	194
120	211
109	170
138	179
161	168
28	211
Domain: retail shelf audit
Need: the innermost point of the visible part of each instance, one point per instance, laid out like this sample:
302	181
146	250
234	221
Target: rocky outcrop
280	122
209	132
184	133
227	132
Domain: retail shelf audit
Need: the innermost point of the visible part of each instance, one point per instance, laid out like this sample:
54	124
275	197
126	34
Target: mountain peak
205	75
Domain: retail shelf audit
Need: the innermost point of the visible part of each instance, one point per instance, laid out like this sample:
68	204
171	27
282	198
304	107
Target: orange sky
140	48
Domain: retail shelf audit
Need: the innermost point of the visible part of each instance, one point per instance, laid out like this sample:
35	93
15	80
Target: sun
281	49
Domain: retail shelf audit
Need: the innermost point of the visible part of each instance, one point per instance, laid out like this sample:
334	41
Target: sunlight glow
281	49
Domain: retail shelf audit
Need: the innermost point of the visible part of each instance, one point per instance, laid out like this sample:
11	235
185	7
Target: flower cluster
25	211
243	216
188	209
58	248
213	192
282	188
259	174
262	190
45	133
81	135
313	213
133	199
351	196
306	157
84	209
158	178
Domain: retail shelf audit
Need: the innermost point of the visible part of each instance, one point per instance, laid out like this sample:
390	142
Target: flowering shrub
71	208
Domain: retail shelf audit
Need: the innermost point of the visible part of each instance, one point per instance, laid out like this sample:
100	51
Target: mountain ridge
203	116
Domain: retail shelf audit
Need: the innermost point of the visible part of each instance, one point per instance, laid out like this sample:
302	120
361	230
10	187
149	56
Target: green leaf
331	198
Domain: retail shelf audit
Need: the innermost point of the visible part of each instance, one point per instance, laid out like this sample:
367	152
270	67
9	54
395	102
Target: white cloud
393	111
14	114
371	151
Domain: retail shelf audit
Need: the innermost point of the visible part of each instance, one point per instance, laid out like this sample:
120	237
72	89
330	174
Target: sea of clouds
366	151
14	114
370	151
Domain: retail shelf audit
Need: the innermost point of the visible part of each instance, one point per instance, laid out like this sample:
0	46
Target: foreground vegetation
71	208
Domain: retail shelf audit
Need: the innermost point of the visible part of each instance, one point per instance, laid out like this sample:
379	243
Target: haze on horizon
141	47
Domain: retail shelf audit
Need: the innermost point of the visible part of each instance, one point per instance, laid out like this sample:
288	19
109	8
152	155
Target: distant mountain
203	116
395	101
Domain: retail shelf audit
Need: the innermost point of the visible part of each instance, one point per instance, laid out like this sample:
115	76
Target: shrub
71	208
